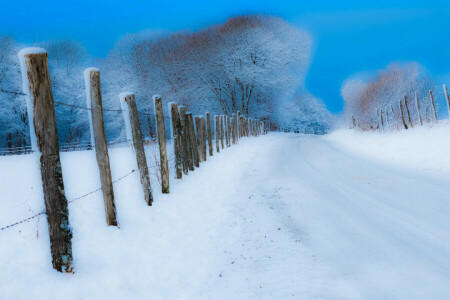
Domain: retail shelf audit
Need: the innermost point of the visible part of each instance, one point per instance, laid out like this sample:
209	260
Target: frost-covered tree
367	101
304	113
13	117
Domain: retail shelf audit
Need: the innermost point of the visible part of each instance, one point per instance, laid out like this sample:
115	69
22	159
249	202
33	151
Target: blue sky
349	36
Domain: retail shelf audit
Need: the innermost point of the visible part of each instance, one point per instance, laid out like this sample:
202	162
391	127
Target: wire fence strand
69	201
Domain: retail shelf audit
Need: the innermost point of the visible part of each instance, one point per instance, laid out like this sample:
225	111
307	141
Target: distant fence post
233	129
44	140
160	125
418	109
176	132
434	107
403	117
94	101
409	115
221	131
217	119
238	125
134	134
227	128
448	99
187	157
193	144
209	131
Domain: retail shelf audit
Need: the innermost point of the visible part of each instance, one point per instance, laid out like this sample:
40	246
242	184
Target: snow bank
422	147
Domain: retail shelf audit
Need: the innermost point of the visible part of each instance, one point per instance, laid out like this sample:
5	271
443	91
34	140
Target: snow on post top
123	95
155	96
87	71
31	50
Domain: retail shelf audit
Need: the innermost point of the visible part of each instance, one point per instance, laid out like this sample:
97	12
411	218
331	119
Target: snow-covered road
279	216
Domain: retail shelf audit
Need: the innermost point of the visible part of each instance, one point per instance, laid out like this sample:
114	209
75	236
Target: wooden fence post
434	107
403	117
221	131
227	128
217	118
134	134
418	109
185	141
200	133
448	99
94	102
44	141
161	128
193	140
209	131
238	125
176	132
233	128
204	137
409	115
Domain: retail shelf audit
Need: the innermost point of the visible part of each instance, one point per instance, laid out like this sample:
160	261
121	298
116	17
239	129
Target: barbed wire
12	92
69	201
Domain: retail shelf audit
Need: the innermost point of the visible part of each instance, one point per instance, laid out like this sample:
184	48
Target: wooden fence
192	137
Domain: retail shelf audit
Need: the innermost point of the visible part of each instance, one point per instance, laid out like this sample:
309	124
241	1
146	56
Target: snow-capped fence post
403	116
209	131
161	128
187	159
204	137
217	119
134	135
176	132
97	123
448	99
199	131
418	109
44	141
434	106
192	135
221	131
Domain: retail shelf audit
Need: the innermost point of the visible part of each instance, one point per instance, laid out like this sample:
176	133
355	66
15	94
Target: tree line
255	64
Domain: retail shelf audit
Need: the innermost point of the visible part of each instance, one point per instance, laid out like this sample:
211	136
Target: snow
87	84
274	217
422	147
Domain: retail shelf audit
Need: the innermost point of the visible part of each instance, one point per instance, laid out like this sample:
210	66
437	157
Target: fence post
193	144
227	130
94	102
209	131
44	140
204	137
409	116
448	99
134	134
161	128
238	125
418	109
217	132
187	156
403	117
199	131
434	107
233	131
221	131
176	132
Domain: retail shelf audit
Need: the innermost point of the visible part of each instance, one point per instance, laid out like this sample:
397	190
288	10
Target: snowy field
343	216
